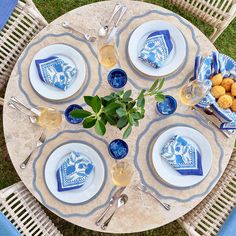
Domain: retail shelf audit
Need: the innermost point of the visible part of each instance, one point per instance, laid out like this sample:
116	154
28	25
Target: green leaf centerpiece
118	109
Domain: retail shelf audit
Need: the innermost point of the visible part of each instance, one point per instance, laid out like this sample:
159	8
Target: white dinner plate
166	171
137	41
70	56
93	183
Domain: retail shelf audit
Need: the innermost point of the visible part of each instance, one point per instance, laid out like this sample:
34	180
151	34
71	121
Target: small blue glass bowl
117	78
167	107
71	119
118	149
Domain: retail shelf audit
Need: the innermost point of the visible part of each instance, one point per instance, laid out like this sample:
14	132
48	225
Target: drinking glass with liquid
121	173
49	118
107	52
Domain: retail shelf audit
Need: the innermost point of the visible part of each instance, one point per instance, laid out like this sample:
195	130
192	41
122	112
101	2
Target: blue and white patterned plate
93	183
211	65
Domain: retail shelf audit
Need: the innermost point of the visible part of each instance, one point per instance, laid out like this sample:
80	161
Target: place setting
58	73
74	172
137	43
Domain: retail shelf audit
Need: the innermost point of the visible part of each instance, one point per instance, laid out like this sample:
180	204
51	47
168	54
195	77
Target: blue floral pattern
156	49
55	72
182	156
74	172
210	66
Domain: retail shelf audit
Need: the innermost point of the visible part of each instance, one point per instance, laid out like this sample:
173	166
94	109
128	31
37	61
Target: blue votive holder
71	119
167	107
118	149
117	78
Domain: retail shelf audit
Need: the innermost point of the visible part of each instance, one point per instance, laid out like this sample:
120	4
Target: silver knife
115	27
114	197
209	122
15	100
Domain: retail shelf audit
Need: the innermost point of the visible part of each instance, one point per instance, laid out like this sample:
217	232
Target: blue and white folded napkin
74	172
182	156
55	72
156	49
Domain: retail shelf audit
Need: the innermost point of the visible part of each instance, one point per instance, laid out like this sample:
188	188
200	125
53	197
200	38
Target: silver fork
144	189
41	140
88	37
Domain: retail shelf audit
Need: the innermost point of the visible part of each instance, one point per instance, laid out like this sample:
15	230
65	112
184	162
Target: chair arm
233	9
32	9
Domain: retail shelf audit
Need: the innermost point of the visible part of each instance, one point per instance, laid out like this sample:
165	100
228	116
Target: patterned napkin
182	156
74	172
156	49
55	72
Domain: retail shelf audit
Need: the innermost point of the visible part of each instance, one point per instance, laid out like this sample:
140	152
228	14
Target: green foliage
118	109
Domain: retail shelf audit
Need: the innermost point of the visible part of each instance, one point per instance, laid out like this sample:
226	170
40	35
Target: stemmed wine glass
193	92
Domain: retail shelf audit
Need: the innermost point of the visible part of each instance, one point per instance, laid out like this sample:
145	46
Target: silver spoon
39	143
115	196
122	200
33	119
144	189
104	30
88	37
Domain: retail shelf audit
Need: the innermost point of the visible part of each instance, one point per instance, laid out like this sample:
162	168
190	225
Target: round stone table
142	212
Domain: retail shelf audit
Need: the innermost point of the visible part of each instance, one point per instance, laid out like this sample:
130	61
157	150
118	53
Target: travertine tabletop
141	212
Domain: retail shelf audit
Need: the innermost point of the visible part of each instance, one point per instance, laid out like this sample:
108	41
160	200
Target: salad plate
175	58
166	172
92	185
70	56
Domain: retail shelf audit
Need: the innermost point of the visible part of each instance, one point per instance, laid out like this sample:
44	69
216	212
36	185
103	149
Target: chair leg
215	34
1	101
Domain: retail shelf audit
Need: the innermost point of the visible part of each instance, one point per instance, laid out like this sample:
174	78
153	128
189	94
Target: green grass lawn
51	9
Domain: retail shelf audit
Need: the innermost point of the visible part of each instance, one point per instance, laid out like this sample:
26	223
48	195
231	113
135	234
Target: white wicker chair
207	218
24	23
25	213
217	13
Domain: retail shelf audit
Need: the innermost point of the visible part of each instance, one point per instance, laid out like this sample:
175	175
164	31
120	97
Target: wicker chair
25	213
207	218
24	23
217	13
